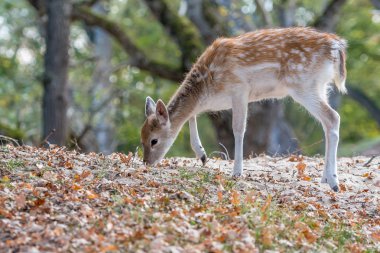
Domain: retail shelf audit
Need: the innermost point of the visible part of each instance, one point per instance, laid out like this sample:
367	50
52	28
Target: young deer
232	72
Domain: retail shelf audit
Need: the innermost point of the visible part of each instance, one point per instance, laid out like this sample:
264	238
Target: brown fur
214	68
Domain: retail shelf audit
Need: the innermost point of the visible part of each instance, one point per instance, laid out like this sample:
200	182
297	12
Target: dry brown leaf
301	169
76	187
109	248
267	203
368	175
267	237
250	197
20	201
91	195
295	158
235	198
125	159
342	187
153	184
354	248
376	236
39	202
68	165
220	196
5	213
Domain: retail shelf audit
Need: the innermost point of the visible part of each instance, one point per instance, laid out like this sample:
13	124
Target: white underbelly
217	103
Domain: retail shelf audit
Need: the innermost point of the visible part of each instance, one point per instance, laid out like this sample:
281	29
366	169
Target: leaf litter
53	200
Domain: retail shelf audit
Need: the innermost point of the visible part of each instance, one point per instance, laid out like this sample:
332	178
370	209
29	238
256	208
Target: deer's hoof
237	174
203	159
335	188
332	182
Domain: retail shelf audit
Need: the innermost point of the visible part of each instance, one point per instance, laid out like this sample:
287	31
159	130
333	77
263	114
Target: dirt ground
359	181
58	200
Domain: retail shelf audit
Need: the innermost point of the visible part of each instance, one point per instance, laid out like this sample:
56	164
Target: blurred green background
22	47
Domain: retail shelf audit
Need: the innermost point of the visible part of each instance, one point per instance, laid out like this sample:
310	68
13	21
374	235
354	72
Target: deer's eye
153	142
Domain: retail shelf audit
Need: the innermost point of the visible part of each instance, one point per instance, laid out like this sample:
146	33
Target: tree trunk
54	105
104	120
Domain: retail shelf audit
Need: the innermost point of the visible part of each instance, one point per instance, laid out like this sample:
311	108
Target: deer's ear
150	106
162	113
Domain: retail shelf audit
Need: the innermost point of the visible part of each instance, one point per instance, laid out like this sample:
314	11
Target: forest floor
53	200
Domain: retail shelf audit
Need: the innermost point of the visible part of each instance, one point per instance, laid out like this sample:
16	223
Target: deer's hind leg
239	118
316	103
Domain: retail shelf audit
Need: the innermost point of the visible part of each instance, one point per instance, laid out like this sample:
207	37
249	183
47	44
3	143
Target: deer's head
156	136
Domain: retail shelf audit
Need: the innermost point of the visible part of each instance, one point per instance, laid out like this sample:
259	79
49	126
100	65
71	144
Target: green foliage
361	28
21	66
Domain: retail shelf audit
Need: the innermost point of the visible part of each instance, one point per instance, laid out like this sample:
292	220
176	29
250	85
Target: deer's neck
185	102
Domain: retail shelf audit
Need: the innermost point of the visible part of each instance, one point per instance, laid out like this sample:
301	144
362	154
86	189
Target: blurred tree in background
123	50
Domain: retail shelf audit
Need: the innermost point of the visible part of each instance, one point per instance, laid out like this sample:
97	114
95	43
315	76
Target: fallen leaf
39	202
220	196
267	237
267	203
76	187
301	168
125	159
91	195
376	236
5	179
109	248
68	165
5	213
342	187
368	175
20	201
235	198
250	197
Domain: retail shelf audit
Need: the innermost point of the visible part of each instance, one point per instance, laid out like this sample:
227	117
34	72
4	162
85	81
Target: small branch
225	149
308	146
9	139
138	58
225	157
369	161
195	13
45	141
329	17
268	21
180	29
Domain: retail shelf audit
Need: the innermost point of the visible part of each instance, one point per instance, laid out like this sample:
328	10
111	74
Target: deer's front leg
239	117
196	144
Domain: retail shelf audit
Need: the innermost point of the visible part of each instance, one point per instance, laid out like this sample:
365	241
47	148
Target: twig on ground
308	146
300	149
225	149
225	156
45	141
136	154
6	138
76	145
369	161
